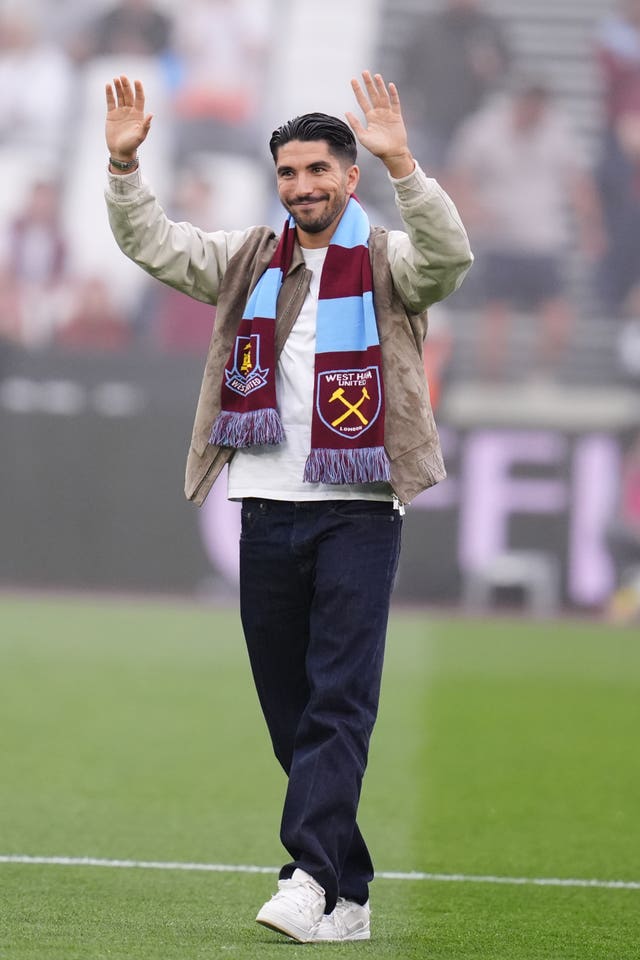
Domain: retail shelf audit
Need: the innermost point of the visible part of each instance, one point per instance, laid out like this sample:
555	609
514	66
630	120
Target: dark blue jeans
315	586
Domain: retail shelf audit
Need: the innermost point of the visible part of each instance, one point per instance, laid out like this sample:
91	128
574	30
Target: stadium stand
553	39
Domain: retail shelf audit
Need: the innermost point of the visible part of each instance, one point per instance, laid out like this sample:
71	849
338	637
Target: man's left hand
385	135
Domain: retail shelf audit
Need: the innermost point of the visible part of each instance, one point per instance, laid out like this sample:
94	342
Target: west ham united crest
246	374
349	401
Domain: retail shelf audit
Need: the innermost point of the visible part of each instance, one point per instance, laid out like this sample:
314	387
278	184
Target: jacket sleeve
180	254
430	260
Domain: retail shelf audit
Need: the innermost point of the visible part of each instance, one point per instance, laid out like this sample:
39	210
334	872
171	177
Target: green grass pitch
131	731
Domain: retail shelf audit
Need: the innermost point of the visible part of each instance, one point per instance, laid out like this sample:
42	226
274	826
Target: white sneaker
296	909
348	921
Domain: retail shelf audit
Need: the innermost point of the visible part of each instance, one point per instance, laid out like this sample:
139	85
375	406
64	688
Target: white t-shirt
275	472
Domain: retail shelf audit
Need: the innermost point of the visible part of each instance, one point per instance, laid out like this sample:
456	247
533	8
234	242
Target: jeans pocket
363	509
251	513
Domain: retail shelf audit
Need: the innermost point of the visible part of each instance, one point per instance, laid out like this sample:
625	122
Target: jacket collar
297	258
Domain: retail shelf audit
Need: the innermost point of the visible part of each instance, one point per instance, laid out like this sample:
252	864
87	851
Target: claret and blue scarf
347	430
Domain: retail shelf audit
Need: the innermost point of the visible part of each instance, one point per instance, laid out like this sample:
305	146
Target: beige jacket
411	271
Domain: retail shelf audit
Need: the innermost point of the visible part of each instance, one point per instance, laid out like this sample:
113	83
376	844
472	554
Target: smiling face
314	186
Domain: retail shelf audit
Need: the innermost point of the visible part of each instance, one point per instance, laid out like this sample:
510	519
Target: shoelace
306	889
341	910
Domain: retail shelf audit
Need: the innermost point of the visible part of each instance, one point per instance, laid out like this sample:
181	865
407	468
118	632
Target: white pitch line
382	875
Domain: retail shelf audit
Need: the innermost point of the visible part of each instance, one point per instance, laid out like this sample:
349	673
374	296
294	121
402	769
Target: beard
311	222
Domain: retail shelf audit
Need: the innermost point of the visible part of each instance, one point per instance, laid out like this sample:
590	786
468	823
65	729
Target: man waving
314	395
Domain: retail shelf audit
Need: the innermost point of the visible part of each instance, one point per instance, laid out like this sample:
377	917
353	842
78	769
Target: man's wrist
123	164
400	166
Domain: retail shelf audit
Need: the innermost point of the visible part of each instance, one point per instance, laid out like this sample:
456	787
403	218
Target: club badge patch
246	374
349	401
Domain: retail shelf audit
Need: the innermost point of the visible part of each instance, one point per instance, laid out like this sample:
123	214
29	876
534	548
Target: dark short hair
317	126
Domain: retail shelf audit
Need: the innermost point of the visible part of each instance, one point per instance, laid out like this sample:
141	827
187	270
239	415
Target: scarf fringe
253	428
366	465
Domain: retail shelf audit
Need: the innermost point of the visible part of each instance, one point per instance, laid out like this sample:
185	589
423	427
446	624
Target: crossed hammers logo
352	408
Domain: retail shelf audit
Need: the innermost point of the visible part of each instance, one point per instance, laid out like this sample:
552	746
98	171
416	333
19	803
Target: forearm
179	254
400	165
430	260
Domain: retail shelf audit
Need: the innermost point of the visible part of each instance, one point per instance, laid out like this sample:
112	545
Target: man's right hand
126	126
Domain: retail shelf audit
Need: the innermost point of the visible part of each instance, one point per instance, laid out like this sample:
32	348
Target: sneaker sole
358	935
297	934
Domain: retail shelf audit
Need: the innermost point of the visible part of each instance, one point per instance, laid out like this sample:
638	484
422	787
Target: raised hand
385	135
127	124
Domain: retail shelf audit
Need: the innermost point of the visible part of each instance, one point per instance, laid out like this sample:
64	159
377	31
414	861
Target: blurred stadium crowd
550	193
534	196
535	131
204	62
